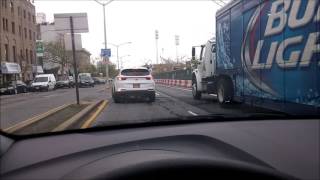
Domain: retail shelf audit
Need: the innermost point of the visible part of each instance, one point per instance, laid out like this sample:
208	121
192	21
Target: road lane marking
183	89
192	113
214	95
52	95
157	94
90	121
34	119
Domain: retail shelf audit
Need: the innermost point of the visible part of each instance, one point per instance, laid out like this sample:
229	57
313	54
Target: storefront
9	72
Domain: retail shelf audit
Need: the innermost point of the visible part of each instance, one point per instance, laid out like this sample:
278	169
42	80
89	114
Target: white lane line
157	94
183	89
52	95
213	95
192	113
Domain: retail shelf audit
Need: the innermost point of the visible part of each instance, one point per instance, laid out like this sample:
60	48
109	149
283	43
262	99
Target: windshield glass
85	78
135	72
41	79
155	61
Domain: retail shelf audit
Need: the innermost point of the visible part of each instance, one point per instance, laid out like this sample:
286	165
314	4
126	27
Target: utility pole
177	44
157	37
74	60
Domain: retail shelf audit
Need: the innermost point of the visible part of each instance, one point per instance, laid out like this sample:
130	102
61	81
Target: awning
10	68
37	69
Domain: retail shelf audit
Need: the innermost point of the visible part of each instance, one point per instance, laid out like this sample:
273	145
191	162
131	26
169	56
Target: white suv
133	82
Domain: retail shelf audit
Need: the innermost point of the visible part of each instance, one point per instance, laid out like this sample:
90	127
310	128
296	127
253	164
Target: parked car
14	87
44	82
71	80
98	80
85	80
136	82
64	82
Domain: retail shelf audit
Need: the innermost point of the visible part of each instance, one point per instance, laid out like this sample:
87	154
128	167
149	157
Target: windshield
41	79
150	61
85	78
135	72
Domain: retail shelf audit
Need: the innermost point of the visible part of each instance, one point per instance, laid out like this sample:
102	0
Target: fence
180	78
177	74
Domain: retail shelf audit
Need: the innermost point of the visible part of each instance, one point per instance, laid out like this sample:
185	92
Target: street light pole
117	46
118	57
106	60
122	58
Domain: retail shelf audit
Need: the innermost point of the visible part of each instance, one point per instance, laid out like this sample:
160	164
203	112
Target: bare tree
55	52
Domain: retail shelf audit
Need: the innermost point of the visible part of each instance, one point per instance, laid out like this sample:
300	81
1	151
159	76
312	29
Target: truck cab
205	78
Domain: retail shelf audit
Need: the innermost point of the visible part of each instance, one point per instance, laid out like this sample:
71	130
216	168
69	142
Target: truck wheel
195	93
224	92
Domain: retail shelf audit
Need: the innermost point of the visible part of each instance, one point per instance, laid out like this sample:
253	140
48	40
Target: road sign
39	48
105	53
80	22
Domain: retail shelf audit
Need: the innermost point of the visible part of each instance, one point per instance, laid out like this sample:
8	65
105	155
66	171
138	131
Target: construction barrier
174	82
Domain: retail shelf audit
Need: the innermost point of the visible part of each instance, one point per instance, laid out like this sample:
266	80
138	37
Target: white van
44	82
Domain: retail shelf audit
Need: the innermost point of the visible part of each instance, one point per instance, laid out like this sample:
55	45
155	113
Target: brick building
17	39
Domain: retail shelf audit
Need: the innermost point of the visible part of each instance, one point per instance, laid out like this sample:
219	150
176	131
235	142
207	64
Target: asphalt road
171	102
17	108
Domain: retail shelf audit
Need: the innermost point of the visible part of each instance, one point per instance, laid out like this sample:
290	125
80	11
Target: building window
21	57
29	16
33	19
27	56
25	33
30	35
4	24
7	27
31	57
6	52
19	11
14	52
13	27
20	33
34	36
11	7
24	13
4	3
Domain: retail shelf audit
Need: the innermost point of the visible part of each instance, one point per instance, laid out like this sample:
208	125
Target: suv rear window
135	72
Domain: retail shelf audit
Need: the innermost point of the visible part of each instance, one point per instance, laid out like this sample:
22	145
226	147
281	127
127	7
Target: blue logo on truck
271	51
280	50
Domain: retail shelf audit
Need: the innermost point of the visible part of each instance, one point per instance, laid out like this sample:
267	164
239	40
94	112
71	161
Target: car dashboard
280	149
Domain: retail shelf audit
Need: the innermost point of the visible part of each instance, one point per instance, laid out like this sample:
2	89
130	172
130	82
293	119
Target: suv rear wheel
115	97
152	97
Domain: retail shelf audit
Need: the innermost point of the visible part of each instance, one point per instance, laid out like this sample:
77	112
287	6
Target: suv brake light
149	78
121	78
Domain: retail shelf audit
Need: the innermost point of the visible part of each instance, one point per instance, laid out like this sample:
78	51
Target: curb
32	120
76	117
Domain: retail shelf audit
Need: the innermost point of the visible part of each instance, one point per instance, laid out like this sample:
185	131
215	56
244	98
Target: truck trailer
266	53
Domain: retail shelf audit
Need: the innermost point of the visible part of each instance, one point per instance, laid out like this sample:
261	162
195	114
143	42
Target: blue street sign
105	53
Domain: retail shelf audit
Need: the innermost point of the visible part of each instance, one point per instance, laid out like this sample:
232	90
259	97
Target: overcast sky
136	21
